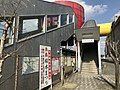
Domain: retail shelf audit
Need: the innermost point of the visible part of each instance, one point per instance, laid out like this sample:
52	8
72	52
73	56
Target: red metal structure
77	8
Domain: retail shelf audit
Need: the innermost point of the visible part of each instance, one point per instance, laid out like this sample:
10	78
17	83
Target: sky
103	11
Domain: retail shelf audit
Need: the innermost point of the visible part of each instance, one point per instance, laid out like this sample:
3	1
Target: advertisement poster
55	65
45	74
30	65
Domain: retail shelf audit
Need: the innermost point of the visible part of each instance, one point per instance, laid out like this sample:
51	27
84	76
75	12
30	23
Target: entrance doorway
90	60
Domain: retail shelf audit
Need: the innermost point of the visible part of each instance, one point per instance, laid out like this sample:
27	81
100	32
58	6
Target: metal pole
99	58
76	57
79	57
62	67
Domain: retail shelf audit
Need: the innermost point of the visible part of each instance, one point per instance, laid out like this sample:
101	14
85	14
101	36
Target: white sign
55	65
45	73
87	40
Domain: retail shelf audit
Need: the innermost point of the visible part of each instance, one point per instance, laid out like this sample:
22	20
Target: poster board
45	72
55	65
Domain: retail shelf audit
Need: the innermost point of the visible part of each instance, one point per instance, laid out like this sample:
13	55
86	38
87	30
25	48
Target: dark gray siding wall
31	46
51	38
34	7
42	7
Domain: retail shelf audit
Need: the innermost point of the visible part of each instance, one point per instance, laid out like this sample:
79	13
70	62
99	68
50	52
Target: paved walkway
84	82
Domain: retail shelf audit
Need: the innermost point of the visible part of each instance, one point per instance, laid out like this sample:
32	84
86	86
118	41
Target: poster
55	65
45	73
30	65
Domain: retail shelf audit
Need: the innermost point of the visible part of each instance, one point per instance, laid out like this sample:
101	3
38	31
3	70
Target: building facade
38	23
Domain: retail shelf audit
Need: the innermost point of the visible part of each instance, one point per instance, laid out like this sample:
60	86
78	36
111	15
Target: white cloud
90	10
116	15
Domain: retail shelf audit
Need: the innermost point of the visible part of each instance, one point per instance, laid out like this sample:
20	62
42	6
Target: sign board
87	40
55	65
45	72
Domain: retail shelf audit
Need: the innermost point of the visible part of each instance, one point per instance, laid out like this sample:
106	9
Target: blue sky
113	7
103	11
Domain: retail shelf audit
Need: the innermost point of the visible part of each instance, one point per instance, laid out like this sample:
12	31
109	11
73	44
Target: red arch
78	10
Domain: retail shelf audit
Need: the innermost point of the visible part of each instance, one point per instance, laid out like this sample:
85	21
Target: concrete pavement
79	81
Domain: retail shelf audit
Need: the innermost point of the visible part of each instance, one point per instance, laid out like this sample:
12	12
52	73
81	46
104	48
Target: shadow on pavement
101	78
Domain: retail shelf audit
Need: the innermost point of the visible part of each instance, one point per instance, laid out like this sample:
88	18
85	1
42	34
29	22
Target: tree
8	15
113	49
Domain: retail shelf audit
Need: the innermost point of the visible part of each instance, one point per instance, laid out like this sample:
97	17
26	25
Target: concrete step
88	71
89	68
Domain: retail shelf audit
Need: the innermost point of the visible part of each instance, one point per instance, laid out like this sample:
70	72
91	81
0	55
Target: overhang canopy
88	31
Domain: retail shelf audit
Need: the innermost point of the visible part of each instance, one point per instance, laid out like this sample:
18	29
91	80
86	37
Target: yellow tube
105	28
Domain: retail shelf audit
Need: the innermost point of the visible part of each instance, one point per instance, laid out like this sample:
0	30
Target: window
30	25
8	31
30	65
1	28
70	18
52	21
63	19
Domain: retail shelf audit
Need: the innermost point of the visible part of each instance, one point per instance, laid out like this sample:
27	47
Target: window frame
32	32
66	22
48	29
71	18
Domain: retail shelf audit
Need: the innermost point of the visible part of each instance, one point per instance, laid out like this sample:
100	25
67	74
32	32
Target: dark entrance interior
90	52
